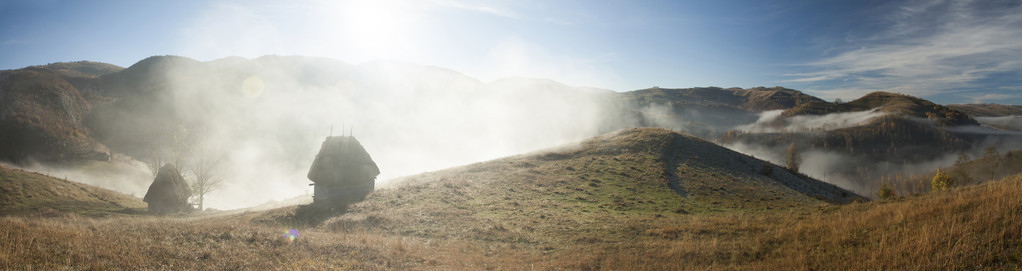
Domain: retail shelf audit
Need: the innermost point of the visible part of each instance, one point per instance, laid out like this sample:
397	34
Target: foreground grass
182	243
969	228
618	204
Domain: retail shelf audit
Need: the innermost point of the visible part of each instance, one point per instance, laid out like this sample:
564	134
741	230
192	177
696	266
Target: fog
1013	123
767	121
270	115
850	172
858	173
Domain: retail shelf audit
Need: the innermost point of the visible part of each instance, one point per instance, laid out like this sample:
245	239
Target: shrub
885	191
941	182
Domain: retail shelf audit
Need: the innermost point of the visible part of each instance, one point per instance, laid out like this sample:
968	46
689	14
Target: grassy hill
752	99
28	193
42	112
908	131
631	174
890	103
988	110
992	166
607	203
704	112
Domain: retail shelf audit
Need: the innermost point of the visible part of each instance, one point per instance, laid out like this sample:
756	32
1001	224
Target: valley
512	174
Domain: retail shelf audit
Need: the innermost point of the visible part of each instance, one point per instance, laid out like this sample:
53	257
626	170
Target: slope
973	227
599	185
876	135
991	166
988	109
27	193
887	102
704	112
42	113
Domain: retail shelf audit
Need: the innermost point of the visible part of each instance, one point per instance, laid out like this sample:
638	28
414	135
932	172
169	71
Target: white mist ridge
1009	122
805	123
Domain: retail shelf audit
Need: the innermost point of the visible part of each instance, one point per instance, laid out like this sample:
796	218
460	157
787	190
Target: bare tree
154	162
169	145
794	158
206	168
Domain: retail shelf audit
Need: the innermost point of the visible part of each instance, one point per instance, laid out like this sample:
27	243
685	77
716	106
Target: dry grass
182	243
23	192
605	209
966	228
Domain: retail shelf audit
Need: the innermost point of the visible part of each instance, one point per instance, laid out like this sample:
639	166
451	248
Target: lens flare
291	235
252	87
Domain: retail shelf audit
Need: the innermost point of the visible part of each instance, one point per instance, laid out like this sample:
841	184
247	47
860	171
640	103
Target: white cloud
492	10
992	97
933	47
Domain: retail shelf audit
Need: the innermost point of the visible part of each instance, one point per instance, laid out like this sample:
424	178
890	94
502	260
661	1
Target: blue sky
946	51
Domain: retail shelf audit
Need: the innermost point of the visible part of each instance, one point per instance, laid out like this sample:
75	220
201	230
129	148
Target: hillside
988	109
991	166
542	197
42	114
891	103
704	112
880	134
27	193
605	203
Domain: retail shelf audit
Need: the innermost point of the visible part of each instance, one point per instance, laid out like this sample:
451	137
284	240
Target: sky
945	51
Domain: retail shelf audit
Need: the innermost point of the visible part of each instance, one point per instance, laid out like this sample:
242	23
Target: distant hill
988	109
28	193
997	116
706	112
42	112
876	135
891	103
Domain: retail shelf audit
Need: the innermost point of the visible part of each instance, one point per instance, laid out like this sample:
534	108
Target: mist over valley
521	135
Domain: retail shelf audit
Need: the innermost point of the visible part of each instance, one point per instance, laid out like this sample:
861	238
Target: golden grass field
546	212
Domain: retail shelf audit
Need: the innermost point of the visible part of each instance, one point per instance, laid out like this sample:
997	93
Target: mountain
42	112
997	116
988	109
705	112
890	103
28	193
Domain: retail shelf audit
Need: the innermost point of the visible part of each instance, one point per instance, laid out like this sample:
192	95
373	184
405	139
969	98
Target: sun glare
375	27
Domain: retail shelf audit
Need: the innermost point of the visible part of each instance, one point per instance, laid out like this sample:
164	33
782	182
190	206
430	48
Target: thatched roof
343	161
169	191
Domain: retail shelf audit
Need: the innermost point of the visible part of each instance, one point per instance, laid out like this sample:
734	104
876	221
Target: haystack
169	192
343	173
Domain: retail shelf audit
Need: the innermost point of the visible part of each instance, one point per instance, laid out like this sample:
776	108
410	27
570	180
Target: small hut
169	192
343	173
